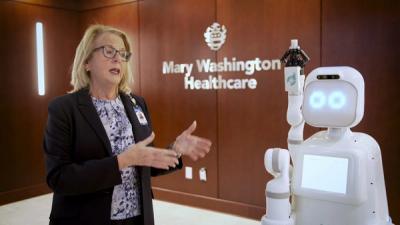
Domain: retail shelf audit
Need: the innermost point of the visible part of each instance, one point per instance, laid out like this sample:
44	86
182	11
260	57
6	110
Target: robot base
267	221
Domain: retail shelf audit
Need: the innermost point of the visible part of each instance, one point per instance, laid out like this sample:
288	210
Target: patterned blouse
126	196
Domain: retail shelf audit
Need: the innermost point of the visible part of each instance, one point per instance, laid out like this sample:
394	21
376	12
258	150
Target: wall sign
215	37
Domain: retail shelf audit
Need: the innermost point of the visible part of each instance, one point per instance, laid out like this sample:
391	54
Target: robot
337	175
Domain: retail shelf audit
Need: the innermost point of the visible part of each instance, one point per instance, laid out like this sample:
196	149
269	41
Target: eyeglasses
110	52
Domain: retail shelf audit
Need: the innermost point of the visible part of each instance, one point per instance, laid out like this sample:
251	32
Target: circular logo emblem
215	36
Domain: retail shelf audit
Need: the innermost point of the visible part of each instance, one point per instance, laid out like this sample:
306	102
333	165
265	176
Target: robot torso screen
325	173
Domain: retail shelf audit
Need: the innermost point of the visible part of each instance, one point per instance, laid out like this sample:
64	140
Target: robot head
333	97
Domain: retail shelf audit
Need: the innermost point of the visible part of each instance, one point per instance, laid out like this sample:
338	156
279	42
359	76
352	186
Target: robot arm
277	163
295	118
295	60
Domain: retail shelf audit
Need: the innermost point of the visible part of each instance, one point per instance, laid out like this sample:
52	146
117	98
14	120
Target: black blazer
81	169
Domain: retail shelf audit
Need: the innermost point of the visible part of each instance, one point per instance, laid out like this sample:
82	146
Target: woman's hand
140	154
193	146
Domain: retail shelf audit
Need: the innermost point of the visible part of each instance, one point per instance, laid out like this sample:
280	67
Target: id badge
140	115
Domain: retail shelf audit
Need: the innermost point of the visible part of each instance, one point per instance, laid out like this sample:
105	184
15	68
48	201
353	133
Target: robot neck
336	134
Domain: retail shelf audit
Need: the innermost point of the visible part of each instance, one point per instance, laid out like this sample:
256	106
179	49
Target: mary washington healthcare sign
215	37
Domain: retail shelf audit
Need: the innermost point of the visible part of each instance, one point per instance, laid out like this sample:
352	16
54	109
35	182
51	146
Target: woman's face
106	72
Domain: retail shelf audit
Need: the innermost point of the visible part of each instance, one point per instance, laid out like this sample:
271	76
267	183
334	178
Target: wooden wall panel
365	35
76	5
24	112
173	30
124	17
93	4
61	4
250	121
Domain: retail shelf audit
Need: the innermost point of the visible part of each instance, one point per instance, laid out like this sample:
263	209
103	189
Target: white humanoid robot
337	175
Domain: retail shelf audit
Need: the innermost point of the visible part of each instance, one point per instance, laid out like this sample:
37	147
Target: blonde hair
79	76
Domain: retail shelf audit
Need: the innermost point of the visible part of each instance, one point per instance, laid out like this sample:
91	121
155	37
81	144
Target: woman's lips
115	71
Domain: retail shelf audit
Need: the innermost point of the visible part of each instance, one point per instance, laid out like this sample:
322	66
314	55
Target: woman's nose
117	58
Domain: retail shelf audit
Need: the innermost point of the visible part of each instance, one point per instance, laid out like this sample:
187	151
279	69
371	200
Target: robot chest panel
333	173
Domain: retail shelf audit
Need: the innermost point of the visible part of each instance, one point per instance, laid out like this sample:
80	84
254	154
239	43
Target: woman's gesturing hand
190	145
140	154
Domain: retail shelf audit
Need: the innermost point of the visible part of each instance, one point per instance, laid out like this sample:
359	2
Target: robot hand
294	59
295	56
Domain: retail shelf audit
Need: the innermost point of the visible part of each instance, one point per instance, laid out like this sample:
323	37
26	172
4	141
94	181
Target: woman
97	138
